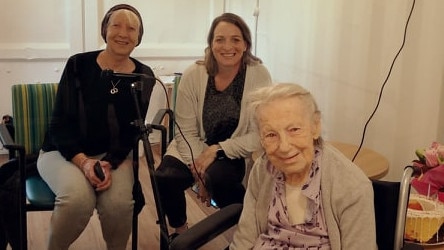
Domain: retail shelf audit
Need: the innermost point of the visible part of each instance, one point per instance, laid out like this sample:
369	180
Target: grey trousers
76	200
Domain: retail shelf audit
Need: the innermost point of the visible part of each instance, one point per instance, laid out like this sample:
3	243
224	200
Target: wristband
220	153
83	163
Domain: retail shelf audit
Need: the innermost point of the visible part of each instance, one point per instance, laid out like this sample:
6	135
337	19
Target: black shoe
172	236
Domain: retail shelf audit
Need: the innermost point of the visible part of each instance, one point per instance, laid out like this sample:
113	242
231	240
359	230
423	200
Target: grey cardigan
189	108
347	195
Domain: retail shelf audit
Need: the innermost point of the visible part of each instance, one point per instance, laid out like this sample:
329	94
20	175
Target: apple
415	205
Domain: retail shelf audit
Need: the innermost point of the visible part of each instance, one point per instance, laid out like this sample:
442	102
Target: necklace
114	89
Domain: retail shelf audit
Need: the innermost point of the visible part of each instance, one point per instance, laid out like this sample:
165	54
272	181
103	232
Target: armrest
5	137
157	124
208	228
8	142
158	118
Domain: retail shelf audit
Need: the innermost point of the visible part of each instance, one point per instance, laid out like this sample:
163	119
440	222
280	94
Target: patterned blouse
221	110
281	234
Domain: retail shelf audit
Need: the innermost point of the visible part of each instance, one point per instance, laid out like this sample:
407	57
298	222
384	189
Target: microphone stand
145	130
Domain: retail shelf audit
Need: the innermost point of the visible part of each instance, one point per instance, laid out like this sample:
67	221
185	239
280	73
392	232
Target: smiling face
122	32
228	45
288	128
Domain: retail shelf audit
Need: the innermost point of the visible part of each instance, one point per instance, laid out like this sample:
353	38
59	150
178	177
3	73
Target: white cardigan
347	195
189	109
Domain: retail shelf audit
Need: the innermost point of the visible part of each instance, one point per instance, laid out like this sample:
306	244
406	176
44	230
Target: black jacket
88	118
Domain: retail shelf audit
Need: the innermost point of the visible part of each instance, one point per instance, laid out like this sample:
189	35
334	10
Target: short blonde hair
105	20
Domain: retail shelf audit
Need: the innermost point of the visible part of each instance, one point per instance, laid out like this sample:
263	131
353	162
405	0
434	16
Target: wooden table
374	165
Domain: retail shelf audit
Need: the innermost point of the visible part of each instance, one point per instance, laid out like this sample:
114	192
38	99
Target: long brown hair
247	58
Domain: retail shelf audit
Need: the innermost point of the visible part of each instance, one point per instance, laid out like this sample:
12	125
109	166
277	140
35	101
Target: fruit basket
424	221
425	213
431	162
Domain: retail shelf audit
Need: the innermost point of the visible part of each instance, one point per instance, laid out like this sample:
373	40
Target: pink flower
431	162
432	156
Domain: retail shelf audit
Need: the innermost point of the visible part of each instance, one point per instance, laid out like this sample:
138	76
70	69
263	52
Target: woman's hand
88	169
204	160
203	194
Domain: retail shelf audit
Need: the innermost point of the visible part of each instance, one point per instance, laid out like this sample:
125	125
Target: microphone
108	73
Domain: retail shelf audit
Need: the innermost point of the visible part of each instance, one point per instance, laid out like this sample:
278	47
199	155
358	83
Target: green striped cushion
32	106
176	85
173	101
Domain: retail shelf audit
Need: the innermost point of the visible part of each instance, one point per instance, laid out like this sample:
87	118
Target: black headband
121	7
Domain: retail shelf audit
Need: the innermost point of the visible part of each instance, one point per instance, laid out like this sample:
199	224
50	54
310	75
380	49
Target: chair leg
164	244
22	204
23	228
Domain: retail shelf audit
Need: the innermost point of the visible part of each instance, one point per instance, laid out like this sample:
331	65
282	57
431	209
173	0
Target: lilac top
281	234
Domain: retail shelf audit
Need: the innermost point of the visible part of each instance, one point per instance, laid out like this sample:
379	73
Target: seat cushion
38	192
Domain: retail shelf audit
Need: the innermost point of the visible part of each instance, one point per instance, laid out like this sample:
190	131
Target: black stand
206	229
145	130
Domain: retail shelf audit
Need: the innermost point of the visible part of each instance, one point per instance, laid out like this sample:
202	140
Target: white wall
44	34
339	49
342	51
40	36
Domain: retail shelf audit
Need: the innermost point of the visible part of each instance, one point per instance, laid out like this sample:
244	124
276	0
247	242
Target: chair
391	202
32	108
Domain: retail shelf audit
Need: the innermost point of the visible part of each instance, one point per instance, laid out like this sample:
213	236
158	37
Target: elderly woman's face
287	128
122	32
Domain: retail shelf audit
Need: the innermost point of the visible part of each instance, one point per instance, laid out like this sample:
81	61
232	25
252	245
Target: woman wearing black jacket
91	124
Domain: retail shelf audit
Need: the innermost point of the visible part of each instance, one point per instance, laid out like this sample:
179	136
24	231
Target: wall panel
173	28
39	36
40	32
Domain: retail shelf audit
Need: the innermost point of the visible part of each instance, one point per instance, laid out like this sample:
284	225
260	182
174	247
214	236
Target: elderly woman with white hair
302	193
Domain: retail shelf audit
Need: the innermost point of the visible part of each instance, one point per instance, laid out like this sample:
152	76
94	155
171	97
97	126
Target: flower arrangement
431	162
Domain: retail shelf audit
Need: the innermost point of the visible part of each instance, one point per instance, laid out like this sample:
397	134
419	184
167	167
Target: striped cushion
176	85
173	101
32	106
